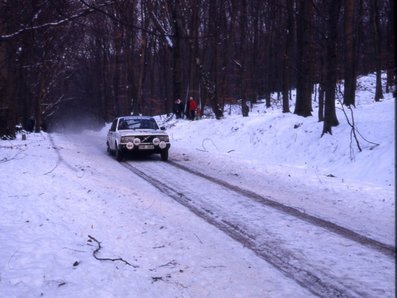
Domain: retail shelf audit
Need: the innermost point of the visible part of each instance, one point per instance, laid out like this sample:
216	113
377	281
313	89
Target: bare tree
378	47
137	107
303	105
391	41
349	50
288	51
330	118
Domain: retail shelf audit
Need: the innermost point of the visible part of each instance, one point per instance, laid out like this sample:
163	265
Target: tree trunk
7	92
330	118
378	47
212	87
243	60
287	56
138	104
194	56
137	108
37	106
303	105
391	67
176	50
321	96
349	46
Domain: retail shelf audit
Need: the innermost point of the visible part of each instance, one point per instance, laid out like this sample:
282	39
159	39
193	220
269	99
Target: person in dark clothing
181	108
178	109
30	124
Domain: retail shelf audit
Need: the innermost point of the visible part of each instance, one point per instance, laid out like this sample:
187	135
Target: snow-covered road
211	242
302	247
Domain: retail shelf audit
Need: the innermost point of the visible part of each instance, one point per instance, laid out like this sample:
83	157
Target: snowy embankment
272	138
284	156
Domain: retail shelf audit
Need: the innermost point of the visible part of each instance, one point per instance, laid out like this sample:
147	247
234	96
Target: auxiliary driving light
163	144
156	141
137	141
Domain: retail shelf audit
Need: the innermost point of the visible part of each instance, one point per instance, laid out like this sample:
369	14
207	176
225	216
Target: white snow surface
60	192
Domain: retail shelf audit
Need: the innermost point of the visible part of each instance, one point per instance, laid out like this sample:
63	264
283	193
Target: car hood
141	132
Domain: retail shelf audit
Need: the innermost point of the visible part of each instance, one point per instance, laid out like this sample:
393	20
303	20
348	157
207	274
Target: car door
111	137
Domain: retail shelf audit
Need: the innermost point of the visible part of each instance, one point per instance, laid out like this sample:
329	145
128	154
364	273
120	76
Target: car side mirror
162	128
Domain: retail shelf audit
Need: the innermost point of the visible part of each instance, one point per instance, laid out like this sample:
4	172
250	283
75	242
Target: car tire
108	149
118	154
164	155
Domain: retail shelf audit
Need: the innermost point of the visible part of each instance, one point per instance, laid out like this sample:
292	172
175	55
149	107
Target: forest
97	59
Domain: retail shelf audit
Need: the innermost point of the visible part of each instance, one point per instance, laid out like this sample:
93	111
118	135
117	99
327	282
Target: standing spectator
30	124
192	105
198	113
181	108
177	108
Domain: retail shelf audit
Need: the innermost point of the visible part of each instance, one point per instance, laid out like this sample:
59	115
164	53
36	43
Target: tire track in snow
318	282
330	226
60	159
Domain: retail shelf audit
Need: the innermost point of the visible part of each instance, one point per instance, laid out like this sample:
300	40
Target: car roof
136	117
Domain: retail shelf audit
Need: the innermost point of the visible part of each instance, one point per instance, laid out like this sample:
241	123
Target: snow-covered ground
60	191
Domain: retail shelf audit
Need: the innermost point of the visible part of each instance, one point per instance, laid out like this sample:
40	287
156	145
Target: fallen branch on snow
107	259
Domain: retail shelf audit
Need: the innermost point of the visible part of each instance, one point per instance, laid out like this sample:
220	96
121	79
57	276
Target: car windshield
137	124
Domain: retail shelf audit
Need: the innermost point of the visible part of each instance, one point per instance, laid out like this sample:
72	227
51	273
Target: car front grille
146	139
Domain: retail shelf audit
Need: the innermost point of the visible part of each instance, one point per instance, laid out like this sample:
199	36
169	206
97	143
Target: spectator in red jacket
192	105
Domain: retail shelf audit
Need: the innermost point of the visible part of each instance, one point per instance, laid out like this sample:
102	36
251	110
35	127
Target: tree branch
55	23
94	253
354	132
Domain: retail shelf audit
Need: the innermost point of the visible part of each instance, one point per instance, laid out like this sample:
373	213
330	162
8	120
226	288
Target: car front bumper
143	148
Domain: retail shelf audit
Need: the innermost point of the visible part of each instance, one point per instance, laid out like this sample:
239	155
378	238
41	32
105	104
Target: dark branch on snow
94	253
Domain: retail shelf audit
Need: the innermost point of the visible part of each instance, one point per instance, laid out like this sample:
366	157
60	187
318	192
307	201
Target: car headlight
136	141
156	141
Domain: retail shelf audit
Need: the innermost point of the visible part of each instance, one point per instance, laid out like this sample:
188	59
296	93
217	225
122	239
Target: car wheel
164	155
118	154
108	149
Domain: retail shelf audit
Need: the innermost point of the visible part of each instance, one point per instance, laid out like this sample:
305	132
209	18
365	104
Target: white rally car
137	134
